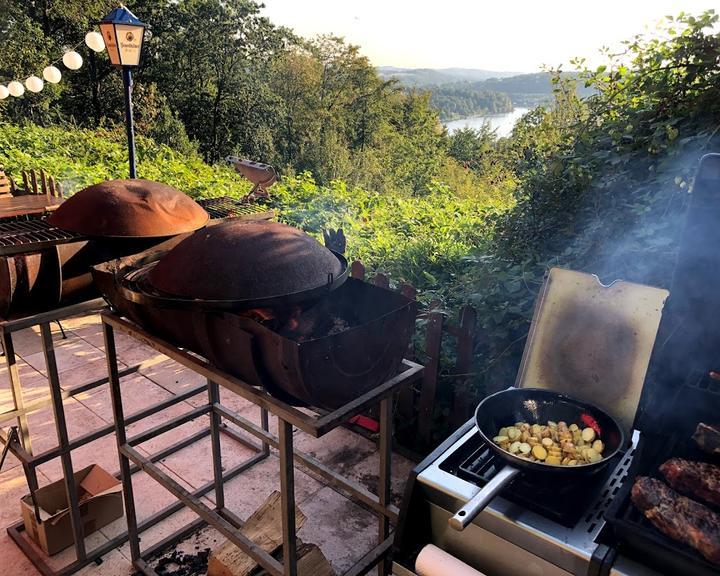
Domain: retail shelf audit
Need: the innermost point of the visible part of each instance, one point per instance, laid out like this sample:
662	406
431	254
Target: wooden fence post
433	344
406	397
357	270
381	281
462	403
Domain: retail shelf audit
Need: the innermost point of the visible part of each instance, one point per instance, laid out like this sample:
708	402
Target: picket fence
415	406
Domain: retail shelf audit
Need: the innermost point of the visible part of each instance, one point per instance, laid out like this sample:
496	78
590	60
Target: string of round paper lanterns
94	41
52	74
34	84
16	89
70	59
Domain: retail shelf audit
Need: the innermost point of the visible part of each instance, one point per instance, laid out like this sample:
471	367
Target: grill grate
37	234
225	207
638	536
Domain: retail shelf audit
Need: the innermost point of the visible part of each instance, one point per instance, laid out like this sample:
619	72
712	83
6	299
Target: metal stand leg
120	434
264	424
16	389
385	476
287	491
214	398
62	330
62	434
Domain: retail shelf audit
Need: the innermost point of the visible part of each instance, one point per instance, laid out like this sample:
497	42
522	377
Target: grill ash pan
129	209
248	264
325	356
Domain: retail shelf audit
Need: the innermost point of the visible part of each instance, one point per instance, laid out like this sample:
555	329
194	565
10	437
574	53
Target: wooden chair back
7	186
41	183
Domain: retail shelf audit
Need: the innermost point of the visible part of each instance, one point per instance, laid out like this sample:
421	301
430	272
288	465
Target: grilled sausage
678	517
696	479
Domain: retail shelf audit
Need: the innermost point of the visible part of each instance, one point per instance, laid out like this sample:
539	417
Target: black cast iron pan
534	406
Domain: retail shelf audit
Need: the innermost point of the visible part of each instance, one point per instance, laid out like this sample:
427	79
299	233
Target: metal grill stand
288	417
20	445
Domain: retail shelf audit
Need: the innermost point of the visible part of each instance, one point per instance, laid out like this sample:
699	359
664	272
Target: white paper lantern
16	89
94	41
72	60
4	92
52	74
34	84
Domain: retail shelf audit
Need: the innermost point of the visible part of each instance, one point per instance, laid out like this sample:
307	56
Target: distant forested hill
525	90
423	77
528	90
464	99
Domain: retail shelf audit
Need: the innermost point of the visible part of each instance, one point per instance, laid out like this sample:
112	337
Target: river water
501	123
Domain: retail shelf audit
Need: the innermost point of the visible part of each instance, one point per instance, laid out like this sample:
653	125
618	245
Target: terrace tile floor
343	530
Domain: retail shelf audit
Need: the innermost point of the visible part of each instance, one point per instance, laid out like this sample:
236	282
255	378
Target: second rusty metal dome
129	209
248	263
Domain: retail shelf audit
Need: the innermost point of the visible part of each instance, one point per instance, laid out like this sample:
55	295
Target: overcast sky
514	35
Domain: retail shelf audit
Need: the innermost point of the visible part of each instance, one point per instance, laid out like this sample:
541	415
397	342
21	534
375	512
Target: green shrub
423	240
79	158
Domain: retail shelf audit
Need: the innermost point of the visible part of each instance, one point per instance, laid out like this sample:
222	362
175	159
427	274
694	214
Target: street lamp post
124	35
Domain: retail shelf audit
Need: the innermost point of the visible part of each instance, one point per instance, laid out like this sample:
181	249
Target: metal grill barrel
22	235
42	265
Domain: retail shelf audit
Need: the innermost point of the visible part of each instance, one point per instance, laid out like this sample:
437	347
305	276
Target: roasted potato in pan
553	443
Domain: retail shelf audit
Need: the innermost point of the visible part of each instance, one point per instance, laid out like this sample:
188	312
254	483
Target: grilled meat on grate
678	517
707	437
697	479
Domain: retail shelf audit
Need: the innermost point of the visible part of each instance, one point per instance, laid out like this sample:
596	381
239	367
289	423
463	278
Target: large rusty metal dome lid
129	208
248	262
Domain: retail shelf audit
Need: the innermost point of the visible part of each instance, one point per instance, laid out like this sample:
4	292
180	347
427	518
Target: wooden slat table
30	204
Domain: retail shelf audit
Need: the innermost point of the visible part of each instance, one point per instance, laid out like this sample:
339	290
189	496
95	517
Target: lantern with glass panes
124	35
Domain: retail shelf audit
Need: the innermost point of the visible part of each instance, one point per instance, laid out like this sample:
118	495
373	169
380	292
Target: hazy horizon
521	37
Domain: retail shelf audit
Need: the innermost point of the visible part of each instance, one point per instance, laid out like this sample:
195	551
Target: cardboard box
100	502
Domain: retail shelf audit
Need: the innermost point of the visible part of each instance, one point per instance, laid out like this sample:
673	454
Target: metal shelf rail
21	447
288	416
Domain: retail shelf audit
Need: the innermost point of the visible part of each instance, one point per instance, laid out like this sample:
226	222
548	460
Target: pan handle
467	513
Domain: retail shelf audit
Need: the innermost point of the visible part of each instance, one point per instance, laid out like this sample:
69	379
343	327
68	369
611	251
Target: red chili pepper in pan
590	422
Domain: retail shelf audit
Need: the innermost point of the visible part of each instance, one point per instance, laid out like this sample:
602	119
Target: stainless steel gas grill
539	530
659	377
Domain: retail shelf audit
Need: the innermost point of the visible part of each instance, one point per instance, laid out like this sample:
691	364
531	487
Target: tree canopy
220	78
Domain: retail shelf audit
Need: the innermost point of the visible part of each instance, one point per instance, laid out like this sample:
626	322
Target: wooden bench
41	183
7	186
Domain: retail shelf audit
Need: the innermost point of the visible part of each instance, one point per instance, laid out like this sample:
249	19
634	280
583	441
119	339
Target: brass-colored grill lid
240	261
129	209
593	342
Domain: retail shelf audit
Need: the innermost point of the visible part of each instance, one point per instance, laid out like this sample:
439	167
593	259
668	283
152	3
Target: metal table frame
288	416
23	449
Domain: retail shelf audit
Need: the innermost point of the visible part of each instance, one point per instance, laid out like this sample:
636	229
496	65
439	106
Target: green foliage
601	183
79	158
423	241
484	157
